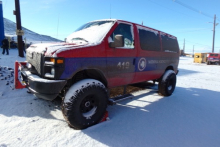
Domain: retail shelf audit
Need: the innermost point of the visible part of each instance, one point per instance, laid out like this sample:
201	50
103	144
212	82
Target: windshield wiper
78	38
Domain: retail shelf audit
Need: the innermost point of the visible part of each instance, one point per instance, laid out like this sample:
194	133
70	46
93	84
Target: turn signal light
52	60
59	61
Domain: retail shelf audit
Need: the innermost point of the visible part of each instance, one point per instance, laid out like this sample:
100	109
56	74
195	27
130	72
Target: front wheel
168	83
85	103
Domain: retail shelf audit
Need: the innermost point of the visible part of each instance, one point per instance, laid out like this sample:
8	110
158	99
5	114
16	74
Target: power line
199	44
194	30
171	9
191	8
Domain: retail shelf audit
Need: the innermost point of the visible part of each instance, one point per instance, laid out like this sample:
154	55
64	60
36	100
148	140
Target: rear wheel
168	83
85	103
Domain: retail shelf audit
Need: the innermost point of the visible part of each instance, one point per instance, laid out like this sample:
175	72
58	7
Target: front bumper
213	60
43	88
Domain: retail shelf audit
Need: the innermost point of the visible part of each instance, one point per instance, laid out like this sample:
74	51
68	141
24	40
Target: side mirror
118	41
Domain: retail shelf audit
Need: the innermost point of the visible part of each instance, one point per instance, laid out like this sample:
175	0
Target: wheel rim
88	106
170	87
170	84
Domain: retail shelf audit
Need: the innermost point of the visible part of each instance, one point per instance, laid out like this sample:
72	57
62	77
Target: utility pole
213	41
193	50
2	31
184	47
19	31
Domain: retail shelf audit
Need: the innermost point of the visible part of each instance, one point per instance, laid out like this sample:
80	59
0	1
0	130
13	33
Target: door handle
134	61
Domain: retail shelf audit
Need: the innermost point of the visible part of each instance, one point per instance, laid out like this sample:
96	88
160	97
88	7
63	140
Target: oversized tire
208	63
85	103
167	83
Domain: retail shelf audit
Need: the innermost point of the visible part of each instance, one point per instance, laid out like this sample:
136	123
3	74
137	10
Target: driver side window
127	31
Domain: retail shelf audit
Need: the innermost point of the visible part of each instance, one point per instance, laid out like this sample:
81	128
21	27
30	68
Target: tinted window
169	44
126	30
149	40
216	55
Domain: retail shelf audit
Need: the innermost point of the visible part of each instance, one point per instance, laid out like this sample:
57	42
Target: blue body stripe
110	65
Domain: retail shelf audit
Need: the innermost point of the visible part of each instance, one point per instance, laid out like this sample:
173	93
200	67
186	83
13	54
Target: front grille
36	60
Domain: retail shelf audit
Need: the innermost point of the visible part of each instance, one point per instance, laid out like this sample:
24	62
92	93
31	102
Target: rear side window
149	40
169	44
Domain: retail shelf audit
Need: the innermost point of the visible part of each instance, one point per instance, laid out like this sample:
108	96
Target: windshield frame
99	28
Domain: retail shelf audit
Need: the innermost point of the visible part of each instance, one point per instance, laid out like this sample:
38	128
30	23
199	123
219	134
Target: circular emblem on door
142	64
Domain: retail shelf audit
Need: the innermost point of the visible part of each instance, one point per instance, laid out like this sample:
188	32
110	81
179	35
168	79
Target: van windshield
92	32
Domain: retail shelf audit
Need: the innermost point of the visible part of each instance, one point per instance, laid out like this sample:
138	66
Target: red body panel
17	83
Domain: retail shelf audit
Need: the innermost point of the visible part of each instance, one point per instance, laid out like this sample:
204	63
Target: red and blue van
98	56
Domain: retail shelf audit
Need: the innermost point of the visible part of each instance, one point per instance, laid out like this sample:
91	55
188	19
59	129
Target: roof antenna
110	10
58	24
142	23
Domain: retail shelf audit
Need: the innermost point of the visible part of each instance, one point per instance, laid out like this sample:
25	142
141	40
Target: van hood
52	49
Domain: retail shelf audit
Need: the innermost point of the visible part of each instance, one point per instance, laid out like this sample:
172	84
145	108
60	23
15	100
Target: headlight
53	67
52	71
51	74
28	65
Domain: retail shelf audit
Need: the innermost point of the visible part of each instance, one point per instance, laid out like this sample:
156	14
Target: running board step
113	101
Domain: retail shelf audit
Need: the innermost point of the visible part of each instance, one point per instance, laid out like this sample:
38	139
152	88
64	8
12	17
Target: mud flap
19	84
105	117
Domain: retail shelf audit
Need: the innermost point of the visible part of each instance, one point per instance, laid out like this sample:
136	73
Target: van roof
161	32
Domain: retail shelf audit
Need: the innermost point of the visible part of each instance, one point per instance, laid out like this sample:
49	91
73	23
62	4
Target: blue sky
42	16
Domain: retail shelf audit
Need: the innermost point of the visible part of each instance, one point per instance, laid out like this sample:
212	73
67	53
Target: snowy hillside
10	30
188	118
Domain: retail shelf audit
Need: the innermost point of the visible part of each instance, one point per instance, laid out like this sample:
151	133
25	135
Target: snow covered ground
188	118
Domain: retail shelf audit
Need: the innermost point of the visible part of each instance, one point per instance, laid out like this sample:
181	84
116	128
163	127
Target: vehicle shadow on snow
190	117
183	72
27	105
185	58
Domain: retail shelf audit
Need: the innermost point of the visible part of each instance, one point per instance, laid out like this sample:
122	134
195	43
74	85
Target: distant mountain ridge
10	30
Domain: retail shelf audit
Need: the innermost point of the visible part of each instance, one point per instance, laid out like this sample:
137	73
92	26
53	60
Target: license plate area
18	79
